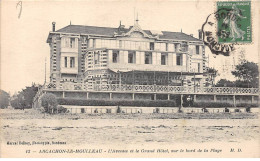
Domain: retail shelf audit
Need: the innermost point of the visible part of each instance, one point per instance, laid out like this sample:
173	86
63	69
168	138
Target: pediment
137	32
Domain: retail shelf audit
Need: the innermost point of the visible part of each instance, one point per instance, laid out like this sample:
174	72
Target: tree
4	99
24	98
49	102
212	73
247	72
28	94
225	83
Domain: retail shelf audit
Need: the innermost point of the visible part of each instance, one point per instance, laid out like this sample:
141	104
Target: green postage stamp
234	22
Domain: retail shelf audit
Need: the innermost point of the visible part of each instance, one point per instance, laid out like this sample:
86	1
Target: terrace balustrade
151	89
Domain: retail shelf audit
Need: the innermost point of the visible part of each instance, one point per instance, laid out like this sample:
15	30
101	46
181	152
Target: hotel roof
108	31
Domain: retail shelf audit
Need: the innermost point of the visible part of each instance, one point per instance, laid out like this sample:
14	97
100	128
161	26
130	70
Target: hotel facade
131	64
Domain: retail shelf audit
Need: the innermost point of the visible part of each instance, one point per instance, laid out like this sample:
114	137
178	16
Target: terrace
117	88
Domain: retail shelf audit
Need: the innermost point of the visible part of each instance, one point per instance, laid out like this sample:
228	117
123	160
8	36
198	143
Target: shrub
237	110
222	104
59	109
205	110
180	110
248	109
157	110
140	103
212	104
226	109
108	110
15	103
118	110
4	99
49	102
82	110
247	105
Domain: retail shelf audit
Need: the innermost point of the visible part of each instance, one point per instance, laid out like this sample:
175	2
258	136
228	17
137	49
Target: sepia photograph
129	79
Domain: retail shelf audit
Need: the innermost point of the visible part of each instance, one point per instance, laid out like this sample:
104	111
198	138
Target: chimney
121	27
200	34
53	26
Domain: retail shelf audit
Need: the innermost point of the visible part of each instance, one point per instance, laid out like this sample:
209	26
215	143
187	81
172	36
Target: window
179	59
72	62
94	43
148	58
131	57
96	57
199	67
197	49
72	42
120	44
115	56
163	59
65	61
151	46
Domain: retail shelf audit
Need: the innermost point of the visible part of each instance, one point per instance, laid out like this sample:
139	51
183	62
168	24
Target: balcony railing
152	89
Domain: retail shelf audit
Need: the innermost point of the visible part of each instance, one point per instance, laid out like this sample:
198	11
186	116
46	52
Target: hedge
223	104
140	103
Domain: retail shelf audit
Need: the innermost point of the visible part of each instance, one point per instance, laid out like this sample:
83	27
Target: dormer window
115	56
197	49
69	42
131	57
164	59
72	62
72	42
151	45
148	58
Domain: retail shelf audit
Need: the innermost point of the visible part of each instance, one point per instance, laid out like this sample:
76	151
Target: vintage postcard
124	79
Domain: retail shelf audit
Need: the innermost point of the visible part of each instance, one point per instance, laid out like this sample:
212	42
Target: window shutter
174	59
184	60
154	58
158	58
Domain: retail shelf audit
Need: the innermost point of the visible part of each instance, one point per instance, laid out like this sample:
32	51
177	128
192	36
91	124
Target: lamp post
119	79
194	83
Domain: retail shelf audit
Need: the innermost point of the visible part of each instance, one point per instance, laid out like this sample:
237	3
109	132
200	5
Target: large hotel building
97	56
122	63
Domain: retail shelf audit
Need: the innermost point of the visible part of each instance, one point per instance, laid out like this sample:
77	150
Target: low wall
129	109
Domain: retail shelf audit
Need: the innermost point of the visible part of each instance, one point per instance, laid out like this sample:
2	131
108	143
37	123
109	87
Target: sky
23	40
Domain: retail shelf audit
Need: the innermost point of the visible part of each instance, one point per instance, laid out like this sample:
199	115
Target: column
90	43
154	58
121	57
137	57
133	96
195	97
110	56
158	58
253	99
87	95
142	54
184	60
169	96
181	100
170	59
215	98
174	59
234	100
154	96
63	94
110	96
125	57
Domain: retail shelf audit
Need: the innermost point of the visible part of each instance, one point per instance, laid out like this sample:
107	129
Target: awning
116	70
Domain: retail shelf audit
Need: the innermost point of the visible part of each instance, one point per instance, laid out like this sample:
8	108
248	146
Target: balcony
69	50
69	70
